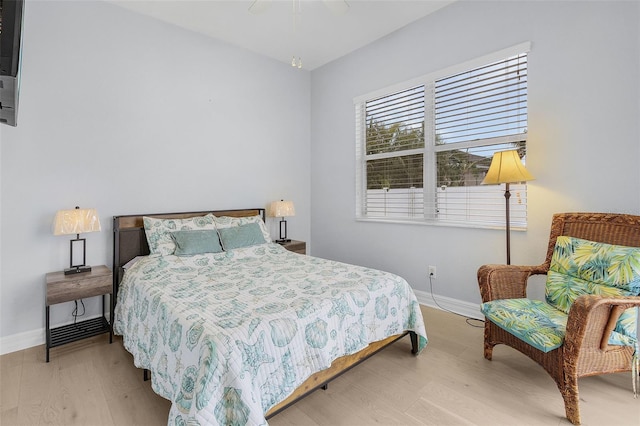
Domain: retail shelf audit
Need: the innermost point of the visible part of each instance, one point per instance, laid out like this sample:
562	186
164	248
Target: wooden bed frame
129	241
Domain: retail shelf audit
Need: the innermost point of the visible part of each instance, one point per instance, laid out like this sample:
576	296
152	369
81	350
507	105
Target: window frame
430	150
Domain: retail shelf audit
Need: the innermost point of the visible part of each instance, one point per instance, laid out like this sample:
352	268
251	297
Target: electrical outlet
432	272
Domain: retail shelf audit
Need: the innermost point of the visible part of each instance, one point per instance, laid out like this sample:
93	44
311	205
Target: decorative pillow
580	267
246	235
159	231
585	267
197	241
223	222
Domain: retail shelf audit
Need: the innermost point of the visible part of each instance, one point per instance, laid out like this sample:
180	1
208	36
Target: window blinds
483	103
423	151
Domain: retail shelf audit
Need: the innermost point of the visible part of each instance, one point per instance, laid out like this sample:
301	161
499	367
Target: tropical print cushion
580	267
597	263
159	231
534	321
543	326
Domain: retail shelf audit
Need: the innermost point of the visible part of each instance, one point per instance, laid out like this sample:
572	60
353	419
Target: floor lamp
507	168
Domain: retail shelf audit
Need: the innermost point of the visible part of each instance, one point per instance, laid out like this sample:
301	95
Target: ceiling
322	30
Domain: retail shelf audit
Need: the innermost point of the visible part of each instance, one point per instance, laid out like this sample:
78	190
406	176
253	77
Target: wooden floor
94	383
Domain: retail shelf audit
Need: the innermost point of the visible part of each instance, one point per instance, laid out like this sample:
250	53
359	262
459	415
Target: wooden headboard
130	240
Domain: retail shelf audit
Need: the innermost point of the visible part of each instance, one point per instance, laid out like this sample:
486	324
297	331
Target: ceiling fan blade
337	7
259	6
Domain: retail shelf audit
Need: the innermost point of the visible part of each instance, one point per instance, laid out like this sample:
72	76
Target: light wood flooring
94	383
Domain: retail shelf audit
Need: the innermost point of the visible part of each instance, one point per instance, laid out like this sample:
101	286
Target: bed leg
325	386
414	342
145	374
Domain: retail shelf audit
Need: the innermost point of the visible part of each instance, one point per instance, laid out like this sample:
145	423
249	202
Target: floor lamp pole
507	195
506	167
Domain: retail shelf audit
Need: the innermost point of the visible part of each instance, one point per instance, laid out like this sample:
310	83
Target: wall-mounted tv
11	12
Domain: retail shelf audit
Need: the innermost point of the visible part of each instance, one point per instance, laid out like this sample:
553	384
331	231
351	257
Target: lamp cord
75	313
467	319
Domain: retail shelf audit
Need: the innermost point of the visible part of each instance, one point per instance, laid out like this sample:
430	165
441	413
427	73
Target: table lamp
283	209
77	221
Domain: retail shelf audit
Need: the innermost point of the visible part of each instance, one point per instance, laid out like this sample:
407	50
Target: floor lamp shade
282	209
77	221
506	167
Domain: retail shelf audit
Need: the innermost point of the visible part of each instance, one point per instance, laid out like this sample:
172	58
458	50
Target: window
424	147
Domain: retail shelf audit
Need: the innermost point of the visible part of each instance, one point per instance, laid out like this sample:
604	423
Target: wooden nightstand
65	288
296	246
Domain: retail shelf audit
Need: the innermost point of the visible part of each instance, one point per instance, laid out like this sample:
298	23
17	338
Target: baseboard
460	307
20	341
29	339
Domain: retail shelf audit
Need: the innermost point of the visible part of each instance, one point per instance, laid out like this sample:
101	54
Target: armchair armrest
505	281
591	320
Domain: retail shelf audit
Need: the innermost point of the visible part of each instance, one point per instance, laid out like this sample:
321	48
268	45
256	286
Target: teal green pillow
241	236
193	242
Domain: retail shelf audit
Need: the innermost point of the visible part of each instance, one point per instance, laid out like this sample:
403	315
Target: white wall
130	115
584	138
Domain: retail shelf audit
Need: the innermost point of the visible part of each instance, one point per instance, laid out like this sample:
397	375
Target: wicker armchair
585	351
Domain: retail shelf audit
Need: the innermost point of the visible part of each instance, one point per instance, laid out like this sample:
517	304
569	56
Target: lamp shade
76	221
282	209
506	167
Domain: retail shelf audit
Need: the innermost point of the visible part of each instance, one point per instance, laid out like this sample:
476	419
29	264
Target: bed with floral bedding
232	333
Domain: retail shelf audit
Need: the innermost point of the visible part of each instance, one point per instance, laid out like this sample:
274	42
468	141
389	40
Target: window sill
440	223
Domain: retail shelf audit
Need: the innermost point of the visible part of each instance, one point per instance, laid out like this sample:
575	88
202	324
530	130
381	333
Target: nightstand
296	246
65	288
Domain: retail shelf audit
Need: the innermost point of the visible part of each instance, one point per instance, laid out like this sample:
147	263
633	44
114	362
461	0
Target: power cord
75	313
467	319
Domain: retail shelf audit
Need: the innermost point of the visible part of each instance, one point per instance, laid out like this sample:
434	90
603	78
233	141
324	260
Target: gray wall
584	139
130	115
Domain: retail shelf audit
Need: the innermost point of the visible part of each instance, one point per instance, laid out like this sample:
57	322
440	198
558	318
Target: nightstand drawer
65	288
296	246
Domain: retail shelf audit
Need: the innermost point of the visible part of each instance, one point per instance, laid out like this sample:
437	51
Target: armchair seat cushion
534	321
543	326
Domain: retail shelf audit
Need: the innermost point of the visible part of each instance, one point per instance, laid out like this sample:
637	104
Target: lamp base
77	270
283	241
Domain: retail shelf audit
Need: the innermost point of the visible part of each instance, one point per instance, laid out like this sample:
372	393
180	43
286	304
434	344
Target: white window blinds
423	151
394	153
483	103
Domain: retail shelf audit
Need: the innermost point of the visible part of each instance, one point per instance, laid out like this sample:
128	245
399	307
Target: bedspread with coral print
229	335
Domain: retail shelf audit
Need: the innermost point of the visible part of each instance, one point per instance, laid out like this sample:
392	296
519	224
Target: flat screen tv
11	12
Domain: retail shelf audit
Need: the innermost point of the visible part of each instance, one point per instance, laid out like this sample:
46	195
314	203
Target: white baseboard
29	339
20	341
460	307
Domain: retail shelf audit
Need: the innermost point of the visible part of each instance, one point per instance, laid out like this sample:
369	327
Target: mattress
229	335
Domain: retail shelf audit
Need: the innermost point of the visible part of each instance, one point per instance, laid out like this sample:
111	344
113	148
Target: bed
234	336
